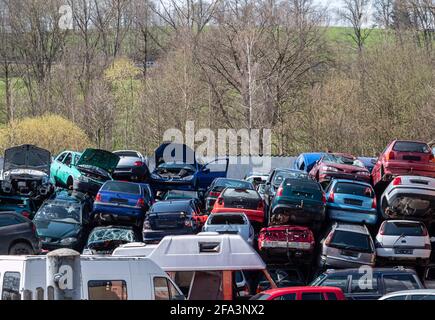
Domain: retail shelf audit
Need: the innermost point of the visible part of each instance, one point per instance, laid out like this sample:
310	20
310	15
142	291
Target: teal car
85	172
25	206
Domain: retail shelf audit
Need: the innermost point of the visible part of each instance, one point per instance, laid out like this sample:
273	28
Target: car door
365	286
65	172
206	176
56	166
8	232
269	191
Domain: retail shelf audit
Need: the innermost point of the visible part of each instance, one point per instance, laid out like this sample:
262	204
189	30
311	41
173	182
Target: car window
107	290
360	283
61	157
402	297
291	296
354	189
76	158
261	296
351	241
68	160
283	175
421	297
165	290
227	219
430	275
9	220
331	296
404	229
399	282
11	285
312	296
409	146
338	281
220	185
237	193
122	187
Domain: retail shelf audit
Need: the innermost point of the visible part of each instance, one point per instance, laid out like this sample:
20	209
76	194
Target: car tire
21	249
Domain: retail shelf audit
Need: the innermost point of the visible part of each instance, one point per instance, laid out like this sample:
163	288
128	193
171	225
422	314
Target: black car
17	235
167	218
276	178
219	185
104	240
63	221
132	166
369	283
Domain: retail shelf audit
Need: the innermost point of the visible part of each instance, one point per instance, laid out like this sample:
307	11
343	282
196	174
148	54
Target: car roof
397	269
352	182
413	292
68	196
301	289
351	227
404	221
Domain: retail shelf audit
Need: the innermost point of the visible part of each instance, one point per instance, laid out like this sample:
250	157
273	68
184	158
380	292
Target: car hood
99	158
173	152
58	230
27	157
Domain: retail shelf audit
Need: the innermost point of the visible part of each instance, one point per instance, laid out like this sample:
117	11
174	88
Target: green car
85	172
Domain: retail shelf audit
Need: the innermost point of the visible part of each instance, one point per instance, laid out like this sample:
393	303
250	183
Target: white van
103	278
207	266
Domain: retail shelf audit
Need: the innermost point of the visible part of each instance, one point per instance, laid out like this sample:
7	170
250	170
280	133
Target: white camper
206	266
102	278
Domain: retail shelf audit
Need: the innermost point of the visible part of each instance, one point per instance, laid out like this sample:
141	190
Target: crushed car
177	168
410	197
26	172
104	240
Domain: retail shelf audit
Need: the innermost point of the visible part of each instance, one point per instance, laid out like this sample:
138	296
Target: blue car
178	169
351	201
306	161
369	163
123	202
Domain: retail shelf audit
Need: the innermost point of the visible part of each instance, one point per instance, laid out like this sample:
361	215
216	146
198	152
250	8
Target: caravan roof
135	249
206	252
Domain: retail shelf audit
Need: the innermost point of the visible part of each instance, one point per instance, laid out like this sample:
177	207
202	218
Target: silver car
410	197
419	294
347	246
230	223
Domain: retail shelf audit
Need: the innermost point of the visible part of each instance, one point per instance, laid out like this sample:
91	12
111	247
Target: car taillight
220	201
425	233
397	181
331	197
215	194
26	214
138	164
329	239
98	198
382	229
140	203
260	206
431	157
280	192
390	156
374	203
188	223
324	198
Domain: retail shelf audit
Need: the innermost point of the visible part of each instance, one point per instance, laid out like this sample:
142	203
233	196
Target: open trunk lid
99	158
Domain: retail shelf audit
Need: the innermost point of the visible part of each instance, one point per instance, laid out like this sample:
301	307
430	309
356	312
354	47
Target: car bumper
367	217
155	236
327	177
413	169
389	253
422	200
132	174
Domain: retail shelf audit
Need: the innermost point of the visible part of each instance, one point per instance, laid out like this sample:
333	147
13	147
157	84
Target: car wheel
21	249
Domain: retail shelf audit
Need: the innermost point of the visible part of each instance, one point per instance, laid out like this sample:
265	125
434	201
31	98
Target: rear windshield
302	184
227	220
112	235
241	193
404	229
354	189
351	240
173	195
169	206
406	146
282	175
238	184
122	187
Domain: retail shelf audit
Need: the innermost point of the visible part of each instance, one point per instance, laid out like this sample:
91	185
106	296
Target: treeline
128	70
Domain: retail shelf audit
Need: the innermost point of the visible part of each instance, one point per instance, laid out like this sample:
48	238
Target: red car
301	293
286	242
339	166
246	201
404	158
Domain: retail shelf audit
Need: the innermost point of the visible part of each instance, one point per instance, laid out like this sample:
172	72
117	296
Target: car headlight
83	179
68	241
329	169
147	225
188	178
363	173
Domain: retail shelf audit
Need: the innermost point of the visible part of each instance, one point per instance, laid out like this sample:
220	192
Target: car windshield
354	189
341	159
122	187
407	146
351	241
404	229
282	175
173	195
226	219
60	212
237	184
112	234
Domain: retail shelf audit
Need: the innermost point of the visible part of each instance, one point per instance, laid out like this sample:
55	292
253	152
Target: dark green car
299	202
25	206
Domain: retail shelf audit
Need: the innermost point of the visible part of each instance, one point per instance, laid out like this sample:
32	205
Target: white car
420	294
231	223
403	240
